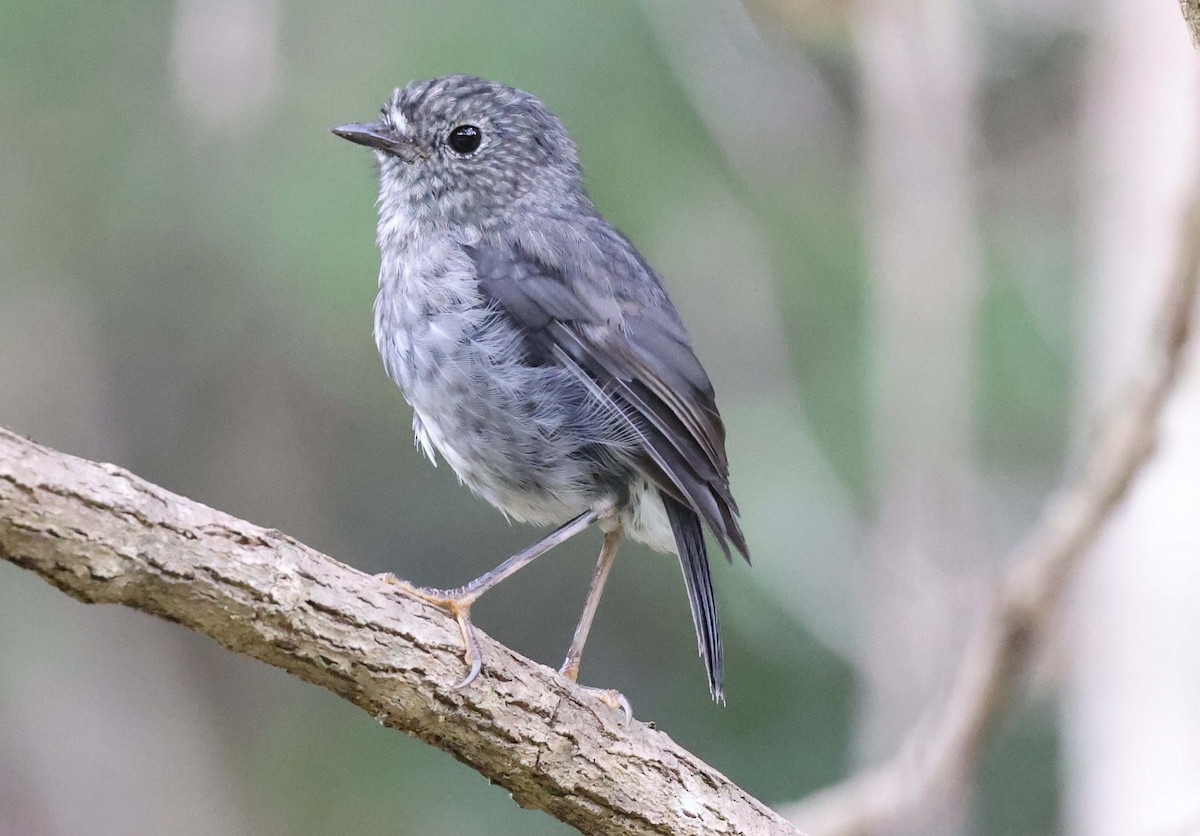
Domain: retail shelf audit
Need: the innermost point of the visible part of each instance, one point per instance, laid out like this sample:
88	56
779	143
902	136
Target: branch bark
102	535
1191	16
941	755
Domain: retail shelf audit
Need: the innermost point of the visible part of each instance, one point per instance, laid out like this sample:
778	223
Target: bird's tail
693	559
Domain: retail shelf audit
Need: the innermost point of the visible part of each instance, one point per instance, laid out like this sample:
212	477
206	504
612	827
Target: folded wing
594	306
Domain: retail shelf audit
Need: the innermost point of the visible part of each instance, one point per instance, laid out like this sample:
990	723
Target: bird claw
476	667
623	704
474	654
613	699
457	605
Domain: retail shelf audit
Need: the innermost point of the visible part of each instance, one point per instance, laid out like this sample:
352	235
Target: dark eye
465	138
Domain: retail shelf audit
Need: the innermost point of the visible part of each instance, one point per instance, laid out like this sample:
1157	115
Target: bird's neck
408	212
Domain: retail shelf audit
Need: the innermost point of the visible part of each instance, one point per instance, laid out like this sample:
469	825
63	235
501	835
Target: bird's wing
593	305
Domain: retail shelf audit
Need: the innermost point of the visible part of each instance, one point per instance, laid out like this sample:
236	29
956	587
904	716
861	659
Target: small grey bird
538	350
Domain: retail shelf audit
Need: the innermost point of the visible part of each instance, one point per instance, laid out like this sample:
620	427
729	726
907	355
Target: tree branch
102	535
940	756
1191	16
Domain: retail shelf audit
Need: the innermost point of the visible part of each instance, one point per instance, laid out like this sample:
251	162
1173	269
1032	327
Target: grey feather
607	311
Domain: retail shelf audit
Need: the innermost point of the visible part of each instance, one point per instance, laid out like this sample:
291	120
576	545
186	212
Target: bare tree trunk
1132	696
919	83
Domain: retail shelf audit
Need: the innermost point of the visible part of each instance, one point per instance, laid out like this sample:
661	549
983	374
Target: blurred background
917	243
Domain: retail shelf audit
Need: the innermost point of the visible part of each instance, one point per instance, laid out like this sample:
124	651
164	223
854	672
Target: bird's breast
510	430
427	307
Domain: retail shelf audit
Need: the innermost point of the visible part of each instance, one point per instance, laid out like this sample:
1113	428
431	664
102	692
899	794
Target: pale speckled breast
523	436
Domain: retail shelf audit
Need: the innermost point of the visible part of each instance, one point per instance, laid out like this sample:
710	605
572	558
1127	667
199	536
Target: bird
539	351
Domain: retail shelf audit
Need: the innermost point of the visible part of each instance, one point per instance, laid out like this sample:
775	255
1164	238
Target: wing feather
603	314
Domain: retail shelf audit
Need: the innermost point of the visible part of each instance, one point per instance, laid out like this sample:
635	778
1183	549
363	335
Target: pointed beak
382	138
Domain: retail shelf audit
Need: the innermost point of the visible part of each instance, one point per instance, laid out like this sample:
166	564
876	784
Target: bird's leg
570	666
458	601
608	553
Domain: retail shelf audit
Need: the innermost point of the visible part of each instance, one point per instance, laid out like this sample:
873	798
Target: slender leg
608	553
458	601
570	666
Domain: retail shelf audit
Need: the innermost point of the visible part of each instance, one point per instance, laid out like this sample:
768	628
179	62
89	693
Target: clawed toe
613	699
457	604
473	653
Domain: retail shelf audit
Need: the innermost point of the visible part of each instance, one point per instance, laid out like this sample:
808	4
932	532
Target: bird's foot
612	698
456	603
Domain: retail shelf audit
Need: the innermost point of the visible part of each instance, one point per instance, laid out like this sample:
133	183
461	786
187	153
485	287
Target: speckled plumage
540	354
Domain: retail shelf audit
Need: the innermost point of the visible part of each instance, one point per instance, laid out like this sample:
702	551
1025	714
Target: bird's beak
381	137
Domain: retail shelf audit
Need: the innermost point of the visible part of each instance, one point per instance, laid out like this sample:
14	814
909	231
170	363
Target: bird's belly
510	431
528	466
496	465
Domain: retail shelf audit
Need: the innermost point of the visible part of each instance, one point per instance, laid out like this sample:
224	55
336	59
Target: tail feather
697	577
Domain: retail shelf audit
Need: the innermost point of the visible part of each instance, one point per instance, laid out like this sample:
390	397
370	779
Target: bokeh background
916	241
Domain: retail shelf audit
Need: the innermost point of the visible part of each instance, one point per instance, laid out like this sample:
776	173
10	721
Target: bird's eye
465	139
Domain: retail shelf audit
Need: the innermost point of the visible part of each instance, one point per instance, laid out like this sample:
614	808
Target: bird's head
461	149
